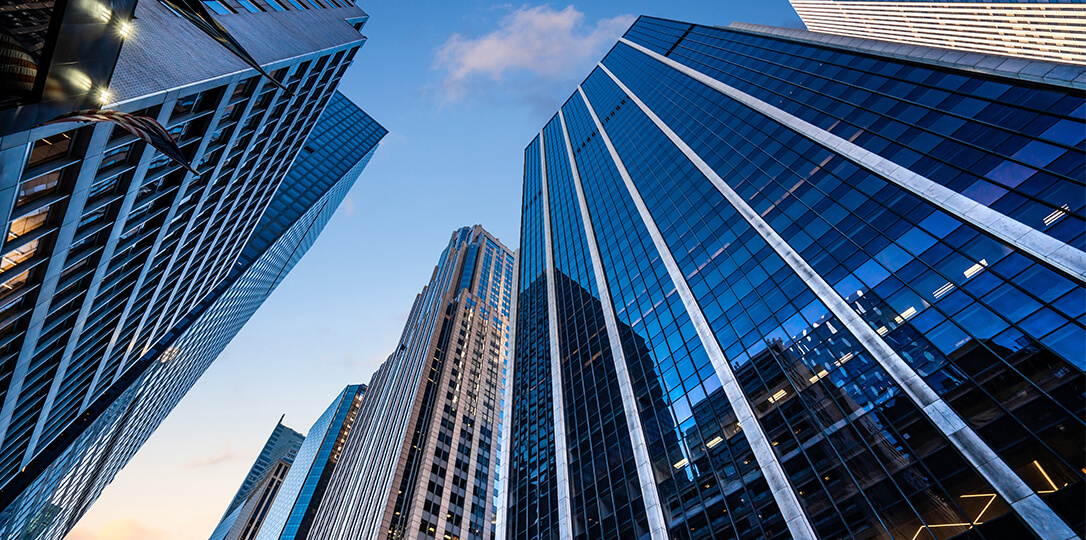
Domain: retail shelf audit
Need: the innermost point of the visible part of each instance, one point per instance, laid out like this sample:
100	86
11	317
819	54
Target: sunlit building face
1048	30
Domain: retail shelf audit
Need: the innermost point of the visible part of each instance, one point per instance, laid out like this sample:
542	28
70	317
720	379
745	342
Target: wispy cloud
347	206
539	43
121	529
222	456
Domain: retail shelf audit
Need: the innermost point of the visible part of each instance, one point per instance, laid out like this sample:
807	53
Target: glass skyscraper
247	510
779	284
291	515
127	274
421	463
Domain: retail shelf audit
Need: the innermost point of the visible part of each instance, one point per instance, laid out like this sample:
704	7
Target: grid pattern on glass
759	271
118	257
98	453
892	257
704	118
604	497
1013	146
706	475
533	485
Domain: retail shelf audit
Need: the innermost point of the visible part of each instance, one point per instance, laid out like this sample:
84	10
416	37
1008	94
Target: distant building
124	274
1036	29
291	515
780	284
247	509
422	461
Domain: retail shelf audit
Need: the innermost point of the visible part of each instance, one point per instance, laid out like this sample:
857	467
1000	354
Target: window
93	217
38	187
18	255
13	284
115	157
103	187
184	106
25	224
218	7
50	149
252	8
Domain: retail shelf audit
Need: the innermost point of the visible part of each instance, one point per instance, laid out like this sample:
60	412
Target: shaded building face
841	296
56	57
118	255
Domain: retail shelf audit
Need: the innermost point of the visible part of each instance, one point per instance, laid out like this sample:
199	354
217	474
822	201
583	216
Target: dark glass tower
774	286
65	478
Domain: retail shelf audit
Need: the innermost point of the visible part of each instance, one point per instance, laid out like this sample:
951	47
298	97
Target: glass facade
69	471
532	485
291	515
818	347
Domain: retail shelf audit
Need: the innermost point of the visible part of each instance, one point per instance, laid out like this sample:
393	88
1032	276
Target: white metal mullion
1013	489
561	457
783	493
653	509
1059	255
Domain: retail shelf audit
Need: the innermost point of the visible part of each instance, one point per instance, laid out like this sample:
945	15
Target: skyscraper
422	461
774	286
127	275
291	516
1035	29
250	504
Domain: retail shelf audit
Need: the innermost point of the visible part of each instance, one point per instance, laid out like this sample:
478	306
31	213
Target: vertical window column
565	523
1011	488
657	527
505	436
798	524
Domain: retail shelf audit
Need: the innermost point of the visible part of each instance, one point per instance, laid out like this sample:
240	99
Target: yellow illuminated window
16	256
28	223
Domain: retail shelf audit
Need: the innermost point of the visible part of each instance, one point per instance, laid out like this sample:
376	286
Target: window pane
50	149
38	187
19	255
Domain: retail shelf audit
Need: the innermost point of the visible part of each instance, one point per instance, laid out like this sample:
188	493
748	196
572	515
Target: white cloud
347	206
537	41
226	454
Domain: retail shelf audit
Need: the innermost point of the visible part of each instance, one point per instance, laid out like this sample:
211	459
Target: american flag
146	128
18	68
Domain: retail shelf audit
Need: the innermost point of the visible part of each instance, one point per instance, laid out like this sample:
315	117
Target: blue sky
462	87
